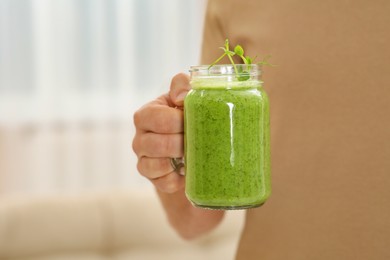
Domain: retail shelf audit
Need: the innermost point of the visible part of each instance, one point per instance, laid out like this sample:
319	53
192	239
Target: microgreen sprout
239	51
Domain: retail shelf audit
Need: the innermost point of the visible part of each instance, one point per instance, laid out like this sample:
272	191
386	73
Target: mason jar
227	138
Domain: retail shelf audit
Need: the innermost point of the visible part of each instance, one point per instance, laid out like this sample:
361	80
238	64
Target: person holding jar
330	133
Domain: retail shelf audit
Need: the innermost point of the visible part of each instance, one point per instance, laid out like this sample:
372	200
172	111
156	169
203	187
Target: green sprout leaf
265	62
239	50
241	74
248	60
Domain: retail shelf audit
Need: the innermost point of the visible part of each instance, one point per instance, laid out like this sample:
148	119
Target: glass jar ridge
225	70
225	74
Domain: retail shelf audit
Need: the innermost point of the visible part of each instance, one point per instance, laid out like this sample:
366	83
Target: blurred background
72	73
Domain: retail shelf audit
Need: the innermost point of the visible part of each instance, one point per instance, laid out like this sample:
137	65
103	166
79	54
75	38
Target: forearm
189	221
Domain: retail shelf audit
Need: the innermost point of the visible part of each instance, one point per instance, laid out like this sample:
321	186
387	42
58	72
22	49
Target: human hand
159	136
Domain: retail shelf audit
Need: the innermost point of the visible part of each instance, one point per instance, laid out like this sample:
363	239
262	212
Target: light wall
72	73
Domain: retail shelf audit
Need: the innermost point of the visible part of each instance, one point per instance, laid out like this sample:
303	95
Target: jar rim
226	69
226	72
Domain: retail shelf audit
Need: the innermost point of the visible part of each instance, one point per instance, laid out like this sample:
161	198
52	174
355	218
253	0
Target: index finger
160	119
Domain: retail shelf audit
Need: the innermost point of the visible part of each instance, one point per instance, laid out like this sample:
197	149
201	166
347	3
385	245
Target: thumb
180	85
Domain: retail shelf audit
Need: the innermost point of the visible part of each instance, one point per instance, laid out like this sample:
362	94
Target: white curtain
72	72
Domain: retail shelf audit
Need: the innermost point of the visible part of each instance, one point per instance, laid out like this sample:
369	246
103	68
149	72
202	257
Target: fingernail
181	96
182	171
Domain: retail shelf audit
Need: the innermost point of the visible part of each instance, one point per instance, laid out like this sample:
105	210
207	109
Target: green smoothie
227	144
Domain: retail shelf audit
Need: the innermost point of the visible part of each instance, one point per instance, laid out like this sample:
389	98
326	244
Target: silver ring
177	163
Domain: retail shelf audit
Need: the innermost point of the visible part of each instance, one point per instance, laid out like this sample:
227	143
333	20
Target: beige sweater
330	124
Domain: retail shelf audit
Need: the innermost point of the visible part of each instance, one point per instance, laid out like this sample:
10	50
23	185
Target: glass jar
227	138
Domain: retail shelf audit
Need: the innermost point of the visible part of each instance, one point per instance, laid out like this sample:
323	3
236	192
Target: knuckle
177	77
139	167
182	76
161	145
162	121
165	164
164	128
166	184
142	114
169	145
137	118
135	144
149	167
